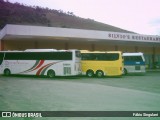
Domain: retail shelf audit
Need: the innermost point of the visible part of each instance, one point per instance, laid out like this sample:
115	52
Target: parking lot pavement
127	93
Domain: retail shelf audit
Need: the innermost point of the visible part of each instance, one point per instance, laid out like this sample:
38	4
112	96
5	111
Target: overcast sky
140	16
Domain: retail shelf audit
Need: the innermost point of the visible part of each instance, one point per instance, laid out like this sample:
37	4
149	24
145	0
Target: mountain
16	13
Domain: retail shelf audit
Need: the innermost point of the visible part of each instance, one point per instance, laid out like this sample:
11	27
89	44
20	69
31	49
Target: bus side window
88	56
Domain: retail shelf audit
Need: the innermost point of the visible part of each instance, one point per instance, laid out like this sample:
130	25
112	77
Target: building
20	37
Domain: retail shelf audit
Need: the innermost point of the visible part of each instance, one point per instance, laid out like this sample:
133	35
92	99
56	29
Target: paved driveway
128	93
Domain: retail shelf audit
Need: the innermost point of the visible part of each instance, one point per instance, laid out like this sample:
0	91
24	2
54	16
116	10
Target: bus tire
90	73
99	73
7	72
125	71
51	73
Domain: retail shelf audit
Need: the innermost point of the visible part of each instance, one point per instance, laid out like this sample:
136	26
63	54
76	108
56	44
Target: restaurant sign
133	37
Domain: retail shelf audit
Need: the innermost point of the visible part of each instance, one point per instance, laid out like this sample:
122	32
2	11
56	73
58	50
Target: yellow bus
98	63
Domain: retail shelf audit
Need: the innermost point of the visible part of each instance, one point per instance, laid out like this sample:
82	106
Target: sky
140	16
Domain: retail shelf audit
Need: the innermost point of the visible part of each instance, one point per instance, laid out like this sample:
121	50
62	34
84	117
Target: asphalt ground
126	93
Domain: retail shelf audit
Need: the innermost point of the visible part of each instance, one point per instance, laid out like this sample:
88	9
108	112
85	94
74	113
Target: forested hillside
16	13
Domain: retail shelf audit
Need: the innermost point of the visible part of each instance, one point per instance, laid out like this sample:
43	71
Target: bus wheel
90	73
124	71
7	72
99	73
51	73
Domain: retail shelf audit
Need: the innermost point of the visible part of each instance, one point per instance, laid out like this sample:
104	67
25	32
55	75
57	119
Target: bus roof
87	51
39	50
133	54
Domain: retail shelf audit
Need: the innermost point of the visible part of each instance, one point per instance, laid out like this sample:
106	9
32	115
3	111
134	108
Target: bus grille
137	67
67	70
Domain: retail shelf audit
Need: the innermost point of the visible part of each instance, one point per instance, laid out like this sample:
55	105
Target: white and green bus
41	62
134	63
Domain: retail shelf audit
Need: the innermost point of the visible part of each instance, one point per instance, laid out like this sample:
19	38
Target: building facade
21	37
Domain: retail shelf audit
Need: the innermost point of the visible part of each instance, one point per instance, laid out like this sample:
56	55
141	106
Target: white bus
133	63
41	62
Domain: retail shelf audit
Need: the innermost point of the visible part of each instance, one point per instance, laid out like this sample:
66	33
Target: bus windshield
1	58
78	54
133	58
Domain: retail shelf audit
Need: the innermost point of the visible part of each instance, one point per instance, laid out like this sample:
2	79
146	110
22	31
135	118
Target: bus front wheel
51	73
90	73
99	73
124	71
7	72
